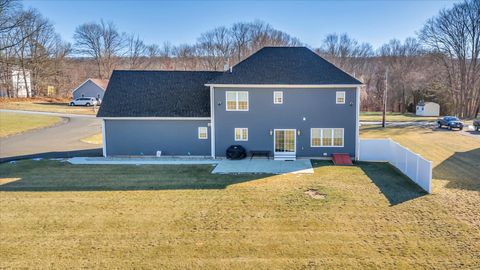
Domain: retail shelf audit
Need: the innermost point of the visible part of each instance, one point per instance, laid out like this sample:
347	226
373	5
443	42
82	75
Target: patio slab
301	166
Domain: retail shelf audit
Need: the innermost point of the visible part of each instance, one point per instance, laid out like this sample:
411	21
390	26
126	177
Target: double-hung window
326	137
278	97
237	100
202	133
340	97
241	134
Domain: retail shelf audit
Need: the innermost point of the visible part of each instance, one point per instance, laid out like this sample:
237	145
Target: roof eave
284	85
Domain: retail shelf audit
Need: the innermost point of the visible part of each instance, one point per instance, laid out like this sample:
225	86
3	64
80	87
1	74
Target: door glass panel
279	141
289	141
284	140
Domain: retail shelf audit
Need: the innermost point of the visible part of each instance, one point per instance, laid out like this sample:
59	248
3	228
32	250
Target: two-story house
287	100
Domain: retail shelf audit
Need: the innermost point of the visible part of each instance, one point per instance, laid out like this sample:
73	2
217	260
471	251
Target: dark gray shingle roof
134	93
285	65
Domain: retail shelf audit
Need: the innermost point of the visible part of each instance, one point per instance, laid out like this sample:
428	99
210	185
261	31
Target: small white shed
428	109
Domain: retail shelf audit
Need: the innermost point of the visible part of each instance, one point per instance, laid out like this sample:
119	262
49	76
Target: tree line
440	64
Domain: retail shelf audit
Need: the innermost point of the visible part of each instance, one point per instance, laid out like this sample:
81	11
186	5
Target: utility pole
385	99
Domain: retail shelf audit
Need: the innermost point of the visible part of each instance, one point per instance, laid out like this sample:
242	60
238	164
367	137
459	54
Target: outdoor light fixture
271	132
298	132
219	103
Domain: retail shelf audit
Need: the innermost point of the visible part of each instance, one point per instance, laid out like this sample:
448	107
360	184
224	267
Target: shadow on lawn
462	170
95	152
47	175
395	186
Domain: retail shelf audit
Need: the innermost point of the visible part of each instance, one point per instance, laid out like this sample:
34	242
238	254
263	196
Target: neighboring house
91	88
428	109
21	83
15	82
287	100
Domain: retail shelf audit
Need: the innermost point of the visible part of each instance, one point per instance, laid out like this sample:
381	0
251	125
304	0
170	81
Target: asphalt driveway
54	142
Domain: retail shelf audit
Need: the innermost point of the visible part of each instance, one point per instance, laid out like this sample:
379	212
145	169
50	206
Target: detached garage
150	112
91	88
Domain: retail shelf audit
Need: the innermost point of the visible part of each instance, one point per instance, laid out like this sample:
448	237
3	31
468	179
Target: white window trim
336	97
321	138
236	101
206	133
241	134
281	95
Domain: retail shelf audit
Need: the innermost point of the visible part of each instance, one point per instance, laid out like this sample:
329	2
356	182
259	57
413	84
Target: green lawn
394	117
14	123
57	215
43	106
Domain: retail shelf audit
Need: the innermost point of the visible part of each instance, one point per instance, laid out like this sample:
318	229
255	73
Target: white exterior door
284	142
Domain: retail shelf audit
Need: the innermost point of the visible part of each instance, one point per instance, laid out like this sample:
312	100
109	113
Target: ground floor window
326	137
241	134
202	133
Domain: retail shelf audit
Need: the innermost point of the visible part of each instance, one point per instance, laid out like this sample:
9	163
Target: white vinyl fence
418	169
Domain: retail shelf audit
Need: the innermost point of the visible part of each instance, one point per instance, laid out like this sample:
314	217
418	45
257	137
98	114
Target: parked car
451	122
84	101
476	124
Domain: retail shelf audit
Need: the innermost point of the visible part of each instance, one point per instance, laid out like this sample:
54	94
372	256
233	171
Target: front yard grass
14	123
57	215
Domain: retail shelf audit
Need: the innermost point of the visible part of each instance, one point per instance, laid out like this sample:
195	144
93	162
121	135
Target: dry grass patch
84	216
14	123
94	139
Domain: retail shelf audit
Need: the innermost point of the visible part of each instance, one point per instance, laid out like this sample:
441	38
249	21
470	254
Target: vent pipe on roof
231	69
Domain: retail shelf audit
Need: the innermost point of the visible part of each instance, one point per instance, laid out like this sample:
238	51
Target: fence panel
415	167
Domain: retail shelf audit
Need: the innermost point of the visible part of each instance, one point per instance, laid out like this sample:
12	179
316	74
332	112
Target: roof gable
135	93
285	65
102	84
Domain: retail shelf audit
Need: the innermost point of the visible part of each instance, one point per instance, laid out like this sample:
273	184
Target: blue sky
182	21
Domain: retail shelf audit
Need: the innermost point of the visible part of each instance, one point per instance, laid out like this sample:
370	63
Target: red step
341	159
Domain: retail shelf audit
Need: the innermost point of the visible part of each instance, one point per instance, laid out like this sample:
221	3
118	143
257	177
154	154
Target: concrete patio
301	166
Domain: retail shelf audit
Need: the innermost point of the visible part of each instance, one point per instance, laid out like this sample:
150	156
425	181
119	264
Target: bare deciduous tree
102	42
454	37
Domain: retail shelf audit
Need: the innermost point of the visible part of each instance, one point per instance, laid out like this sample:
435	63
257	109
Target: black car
451	122
476	124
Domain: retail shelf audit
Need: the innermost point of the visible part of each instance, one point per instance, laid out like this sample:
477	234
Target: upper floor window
237	100
203	133
278	97
340	97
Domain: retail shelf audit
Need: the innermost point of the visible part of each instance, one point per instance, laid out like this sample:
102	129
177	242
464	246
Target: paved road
59	141
467	131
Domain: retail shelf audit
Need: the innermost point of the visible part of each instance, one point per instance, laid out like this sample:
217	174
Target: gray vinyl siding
89	89
318	106
145	137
